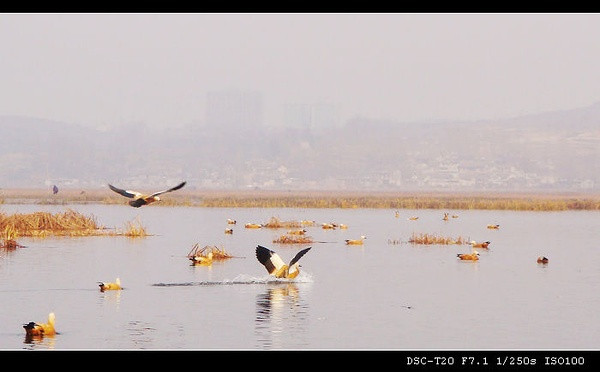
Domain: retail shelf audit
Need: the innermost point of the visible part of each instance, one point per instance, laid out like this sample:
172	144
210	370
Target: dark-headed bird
41	329
275	265
106	286
542	260
55	189
140	199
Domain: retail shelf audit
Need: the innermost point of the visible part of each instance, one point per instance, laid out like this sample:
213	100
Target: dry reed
433	239
276	223
217	253
293	239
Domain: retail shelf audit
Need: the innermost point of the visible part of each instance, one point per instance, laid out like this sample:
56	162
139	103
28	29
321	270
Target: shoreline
491	200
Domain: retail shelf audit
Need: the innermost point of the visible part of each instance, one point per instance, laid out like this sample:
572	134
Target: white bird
275	265
140	199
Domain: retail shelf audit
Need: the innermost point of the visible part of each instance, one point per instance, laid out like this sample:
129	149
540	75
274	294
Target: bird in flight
275	265
140	199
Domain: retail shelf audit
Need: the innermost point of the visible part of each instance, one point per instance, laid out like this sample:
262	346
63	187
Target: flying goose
41	329
105	286
140	199
275	265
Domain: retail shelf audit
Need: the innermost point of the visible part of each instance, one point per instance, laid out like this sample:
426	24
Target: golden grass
68	223
518	201
276	223
217	253
9	238
293	239
434	239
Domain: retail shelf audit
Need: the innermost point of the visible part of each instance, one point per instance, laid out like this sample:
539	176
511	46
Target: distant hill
549	151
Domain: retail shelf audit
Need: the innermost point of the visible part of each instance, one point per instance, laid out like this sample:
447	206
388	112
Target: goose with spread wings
140	199
275	265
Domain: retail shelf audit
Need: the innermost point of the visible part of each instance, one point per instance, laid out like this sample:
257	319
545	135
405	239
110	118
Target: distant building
310	117
234	109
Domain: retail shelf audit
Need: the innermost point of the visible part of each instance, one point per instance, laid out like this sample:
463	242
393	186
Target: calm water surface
387	294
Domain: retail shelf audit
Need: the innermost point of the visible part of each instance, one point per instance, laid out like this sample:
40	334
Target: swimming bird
140	199
474	244
542	260
468	256
493	227
297	232
228	231
253	225
106	286
201	259
413	218
275	265
328	226
41	329
445	218
231	222
356	241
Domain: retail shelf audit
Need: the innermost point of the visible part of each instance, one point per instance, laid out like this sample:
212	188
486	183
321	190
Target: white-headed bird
140	199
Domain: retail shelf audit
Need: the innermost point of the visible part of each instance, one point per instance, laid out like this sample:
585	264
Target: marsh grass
276	223
68	223
293	239
434	239
217	253
517	201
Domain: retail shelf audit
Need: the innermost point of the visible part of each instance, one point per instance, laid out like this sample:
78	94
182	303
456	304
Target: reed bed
293	239
434	239
217	253
68	223
518	201
276	223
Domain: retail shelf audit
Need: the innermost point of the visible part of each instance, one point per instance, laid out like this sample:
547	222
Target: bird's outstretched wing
269	259
171	189
127	193
299	255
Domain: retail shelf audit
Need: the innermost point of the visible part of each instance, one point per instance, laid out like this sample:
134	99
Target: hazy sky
114	69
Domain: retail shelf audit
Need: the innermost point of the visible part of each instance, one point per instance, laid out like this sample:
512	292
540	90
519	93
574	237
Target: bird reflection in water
278	310
40	341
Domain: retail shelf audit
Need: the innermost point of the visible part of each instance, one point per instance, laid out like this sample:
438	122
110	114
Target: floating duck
41	329
253	225
542	260
140	199
297	232
307	222
106	286
228	231
413	218
342	226
328	226
202	259
474	244
468	256
493	227
356	241
445	217
231	222
275	265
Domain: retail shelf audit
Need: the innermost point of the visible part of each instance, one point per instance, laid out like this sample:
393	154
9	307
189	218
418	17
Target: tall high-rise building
234	109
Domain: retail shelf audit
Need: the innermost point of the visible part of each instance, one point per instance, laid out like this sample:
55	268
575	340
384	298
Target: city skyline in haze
117	69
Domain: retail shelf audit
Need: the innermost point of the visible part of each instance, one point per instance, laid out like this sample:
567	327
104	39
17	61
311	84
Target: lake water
385	295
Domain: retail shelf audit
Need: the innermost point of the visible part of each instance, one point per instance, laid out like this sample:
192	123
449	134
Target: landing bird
105	286
41	329
275	265
140	199
468	256
356	241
